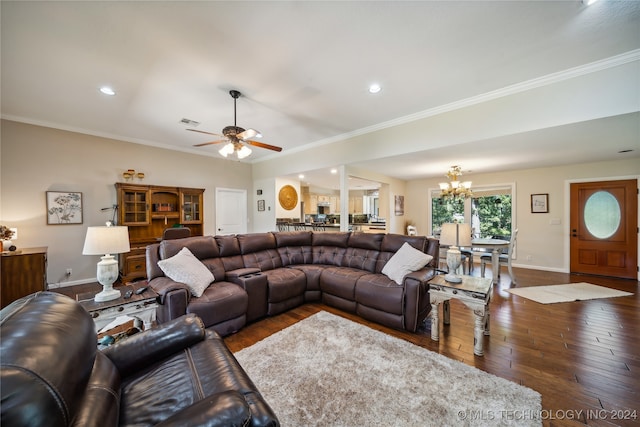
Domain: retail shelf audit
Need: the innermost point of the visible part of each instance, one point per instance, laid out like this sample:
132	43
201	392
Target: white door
231	211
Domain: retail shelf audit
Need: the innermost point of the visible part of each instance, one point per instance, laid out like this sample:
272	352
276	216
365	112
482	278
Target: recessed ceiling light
301	176
107	90
375	88
334	171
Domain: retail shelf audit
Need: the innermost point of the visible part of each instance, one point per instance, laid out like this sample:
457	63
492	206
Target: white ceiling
304	68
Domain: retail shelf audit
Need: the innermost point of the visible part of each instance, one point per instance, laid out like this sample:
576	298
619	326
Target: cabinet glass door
135	207
191	208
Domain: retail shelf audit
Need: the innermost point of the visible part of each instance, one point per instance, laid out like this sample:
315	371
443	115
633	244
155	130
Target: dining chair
505	259
176	233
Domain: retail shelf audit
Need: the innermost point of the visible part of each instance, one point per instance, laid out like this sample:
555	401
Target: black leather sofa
264	274
52	374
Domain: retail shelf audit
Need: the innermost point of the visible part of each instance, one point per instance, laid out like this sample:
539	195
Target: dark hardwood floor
583	357
580	356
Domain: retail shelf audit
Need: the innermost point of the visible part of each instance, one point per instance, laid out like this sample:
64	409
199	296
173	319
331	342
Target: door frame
567	213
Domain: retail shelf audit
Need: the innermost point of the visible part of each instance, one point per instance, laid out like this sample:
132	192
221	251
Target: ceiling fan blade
210	143
202	131
262	145
249	133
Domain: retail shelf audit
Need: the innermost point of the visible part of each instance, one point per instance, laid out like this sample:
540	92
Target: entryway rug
329	371
565	293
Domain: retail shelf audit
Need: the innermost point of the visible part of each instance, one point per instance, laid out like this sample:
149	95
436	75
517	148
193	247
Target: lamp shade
455	235
106	240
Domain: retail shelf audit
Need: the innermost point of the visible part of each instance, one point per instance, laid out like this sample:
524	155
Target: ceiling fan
236	137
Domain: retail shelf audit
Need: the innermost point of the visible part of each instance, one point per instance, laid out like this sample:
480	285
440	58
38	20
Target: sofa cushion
381	293
293	238
201	247
255	242
294	247
230	252
406	260
340	281
372	241
264	260
285	283
220	302
184	267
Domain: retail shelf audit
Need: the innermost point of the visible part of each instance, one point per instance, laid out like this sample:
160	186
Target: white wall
264	221
38	159
539	237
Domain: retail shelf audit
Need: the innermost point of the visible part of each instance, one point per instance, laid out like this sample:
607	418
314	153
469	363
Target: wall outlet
69	272
529	258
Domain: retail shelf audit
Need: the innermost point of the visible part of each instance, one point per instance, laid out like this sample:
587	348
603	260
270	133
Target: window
445	210
490	211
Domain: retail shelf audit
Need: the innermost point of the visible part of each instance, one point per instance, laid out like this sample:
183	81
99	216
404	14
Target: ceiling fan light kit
236	137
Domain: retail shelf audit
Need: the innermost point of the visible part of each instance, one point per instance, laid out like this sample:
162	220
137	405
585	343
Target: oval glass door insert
602	214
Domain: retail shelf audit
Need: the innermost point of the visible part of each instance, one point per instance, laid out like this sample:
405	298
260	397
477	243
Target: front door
231	211
604	228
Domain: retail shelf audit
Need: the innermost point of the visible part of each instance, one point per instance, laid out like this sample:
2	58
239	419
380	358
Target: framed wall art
540	203
399	205
260	205
64	207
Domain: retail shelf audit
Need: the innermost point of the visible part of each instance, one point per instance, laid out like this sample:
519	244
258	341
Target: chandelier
455	188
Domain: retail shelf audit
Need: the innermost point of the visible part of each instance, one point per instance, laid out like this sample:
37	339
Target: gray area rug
552	294
329	371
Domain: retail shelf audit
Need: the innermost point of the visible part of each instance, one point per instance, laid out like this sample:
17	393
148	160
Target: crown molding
549	79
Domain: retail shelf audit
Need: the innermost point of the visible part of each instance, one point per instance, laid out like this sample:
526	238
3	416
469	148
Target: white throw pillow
184	267
403	262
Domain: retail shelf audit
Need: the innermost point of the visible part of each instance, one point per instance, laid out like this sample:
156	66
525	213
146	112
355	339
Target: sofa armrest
155	344
416	291
164	285
255	284
234	274
227	408
423	275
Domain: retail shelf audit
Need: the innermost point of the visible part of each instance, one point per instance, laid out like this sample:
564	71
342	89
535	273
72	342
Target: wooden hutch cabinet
148	210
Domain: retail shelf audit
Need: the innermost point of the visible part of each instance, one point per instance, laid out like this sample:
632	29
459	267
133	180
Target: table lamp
454	235
106	241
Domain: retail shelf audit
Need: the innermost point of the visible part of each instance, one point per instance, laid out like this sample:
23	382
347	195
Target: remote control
141	290
128	294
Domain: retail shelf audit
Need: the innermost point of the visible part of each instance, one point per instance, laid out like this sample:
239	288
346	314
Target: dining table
495	246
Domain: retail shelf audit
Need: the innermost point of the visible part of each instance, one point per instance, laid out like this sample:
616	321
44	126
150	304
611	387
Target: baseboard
71	283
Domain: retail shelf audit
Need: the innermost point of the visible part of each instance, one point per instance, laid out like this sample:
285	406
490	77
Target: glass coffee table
474	292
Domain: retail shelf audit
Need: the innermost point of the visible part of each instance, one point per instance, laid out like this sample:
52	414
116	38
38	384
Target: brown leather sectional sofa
264	274
175	374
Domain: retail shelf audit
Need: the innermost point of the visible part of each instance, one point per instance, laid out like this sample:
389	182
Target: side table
141	306
474	292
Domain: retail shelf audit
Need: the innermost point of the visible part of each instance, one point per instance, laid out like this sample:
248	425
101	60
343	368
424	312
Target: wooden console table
23	272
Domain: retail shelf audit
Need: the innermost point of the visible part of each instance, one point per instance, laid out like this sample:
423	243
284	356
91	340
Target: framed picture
399	205
540	203
64	207
260	205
